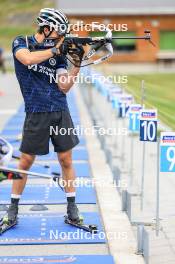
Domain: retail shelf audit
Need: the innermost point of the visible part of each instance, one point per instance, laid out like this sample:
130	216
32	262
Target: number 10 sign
148	125
167	152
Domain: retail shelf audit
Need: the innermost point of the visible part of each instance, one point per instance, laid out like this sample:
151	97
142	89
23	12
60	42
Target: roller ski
74	219
10	219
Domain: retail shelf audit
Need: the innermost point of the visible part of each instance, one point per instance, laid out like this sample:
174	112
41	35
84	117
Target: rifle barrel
41	175
144	37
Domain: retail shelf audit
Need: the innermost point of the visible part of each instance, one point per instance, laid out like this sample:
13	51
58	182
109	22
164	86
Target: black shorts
39	128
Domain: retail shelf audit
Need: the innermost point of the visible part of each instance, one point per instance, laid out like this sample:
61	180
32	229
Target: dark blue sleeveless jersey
38	82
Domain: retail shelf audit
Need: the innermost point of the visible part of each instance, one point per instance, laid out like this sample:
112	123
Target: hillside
17	17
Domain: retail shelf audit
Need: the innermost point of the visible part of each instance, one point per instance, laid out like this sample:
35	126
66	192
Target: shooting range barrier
136	138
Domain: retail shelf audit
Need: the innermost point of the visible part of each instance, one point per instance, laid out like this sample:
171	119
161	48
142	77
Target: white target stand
148	133
143	242
165	163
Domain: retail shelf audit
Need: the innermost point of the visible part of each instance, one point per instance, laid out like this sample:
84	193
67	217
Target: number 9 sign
148	125
167	152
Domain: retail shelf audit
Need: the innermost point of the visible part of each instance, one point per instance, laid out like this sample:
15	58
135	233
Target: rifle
73	46
6	173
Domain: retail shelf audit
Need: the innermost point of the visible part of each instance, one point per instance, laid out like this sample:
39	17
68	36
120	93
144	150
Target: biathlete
45	103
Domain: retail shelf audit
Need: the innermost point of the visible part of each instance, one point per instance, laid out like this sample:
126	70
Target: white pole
143	150
158	189
132	159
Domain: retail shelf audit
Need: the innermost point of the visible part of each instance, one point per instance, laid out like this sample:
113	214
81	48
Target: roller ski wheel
80	224
10	219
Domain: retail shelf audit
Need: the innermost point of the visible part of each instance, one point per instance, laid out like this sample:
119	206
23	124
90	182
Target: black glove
77	55
64	48
76	52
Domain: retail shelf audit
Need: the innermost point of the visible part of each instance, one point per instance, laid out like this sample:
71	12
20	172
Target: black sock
15	201
71	199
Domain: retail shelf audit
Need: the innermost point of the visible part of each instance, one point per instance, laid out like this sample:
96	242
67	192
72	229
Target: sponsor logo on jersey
52	61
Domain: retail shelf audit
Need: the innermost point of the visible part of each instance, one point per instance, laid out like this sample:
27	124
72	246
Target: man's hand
76	52
78	56
76	60
59	44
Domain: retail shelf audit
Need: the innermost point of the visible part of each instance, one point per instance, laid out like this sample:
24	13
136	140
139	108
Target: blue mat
77	154
73	111
81	169
43	194
51	229
17	124
11	132
13	127
82	259
13	137
16	145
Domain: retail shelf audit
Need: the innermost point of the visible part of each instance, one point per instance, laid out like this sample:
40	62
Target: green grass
167	40
159	91
17	17
10	8
9	33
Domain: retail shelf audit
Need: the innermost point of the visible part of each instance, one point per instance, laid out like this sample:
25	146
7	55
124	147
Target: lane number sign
134	117
167	152
125	100
148	125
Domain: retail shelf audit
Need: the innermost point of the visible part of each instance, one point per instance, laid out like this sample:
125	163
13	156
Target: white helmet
54	19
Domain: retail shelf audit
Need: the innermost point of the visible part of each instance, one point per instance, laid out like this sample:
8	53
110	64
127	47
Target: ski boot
72	212
10	219
73	218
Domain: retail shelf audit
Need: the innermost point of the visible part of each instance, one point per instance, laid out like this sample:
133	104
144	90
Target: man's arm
28	58
67	80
